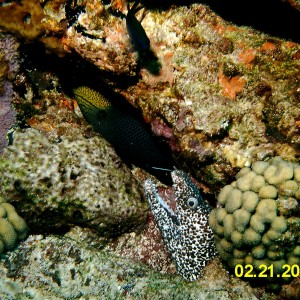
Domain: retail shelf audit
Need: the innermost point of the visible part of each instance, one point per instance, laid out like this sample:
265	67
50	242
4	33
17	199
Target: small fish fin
135	7
162	169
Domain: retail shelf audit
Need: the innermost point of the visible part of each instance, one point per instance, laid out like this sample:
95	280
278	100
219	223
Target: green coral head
252	222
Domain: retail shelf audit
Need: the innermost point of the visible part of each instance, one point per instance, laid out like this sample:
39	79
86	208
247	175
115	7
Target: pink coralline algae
161	129
7	114
8	69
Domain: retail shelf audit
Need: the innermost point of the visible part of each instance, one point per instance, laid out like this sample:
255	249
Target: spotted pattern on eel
185	230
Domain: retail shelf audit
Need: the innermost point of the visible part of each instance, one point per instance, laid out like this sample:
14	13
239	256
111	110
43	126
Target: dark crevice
274	17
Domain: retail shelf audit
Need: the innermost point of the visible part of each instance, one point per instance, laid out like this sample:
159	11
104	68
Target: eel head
185	229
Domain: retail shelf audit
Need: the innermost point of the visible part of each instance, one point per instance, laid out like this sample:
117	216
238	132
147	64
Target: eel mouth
154	198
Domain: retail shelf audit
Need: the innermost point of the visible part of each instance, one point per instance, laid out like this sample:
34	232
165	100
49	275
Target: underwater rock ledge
78	272
223	96
73	181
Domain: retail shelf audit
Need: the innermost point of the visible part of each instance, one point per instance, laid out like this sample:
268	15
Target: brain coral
257	220
13	228
74	180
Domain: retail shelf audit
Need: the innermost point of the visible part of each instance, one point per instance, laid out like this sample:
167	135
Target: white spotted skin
186	234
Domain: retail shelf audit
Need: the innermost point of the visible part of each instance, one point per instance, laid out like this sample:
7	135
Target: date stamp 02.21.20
247	271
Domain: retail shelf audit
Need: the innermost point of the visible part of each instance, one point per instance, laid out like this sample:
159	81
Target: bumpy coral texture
67	181
257	220
13	228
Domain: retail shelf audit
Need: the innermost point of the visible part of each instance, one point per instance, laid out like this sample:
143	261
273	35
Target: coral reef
13	228
9	66
222	114
61	268
7	114
208	90
70	181
101	38
223	96
210	95
257	218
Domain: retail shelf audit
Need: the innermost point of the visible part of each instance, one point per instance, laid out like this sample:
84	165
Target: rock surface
73	181
222	96
61	268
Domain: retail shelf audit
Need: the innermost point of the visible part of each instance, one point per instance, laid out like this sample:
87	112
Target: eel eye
192	203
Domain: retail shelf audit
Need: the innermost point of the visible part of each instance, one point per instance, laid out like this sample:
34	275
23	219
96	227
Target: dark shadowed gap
274	17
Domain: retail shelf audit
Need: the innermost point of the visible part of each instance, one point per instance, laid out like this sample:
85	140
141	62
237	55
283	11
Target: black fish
127	132
135	30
